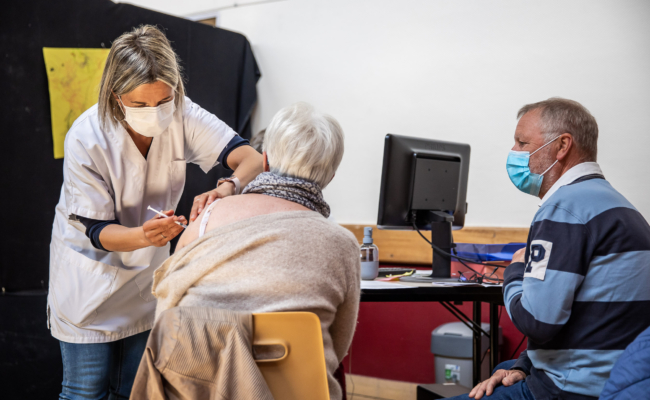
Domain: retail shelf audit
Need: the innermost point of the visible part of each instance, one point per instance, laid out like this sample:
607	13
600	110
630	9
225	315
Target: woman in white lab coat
123	155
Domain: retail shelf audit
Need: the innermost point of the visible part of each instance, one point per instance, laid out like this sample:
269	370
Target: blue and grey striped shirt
584	292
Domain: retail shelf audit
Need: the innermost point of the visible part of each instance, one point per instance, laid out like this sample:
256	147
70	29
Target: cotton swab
163	215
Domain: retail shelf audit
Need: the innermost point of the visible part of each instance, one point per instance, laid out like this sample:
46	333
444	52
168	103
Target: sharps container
452	346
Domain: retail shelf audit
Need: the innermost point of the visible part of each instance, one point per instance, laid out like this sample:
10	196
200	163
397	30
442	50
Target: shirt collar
577	171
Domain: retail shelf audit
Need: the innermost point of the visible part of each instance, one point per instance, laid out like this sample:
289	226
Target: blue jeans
518	391
101	370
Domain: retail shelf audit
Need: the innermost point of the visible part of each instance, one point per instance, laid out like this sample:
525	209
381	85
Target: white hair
303	143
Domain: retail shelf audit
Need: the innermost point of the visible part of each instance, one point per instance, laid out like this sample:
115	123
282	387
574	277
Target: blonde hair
303	143
141	56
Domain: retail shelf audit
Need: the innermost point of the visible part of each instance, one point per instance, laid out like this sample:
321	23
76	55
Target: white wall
457	71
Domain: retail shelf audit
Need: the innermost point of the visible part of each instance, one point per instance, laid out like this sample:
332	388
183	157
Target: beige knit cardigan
286	261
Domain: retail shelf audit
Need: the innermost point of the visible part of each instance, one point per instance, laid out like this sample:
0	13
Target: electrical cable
498	323
517	349
480	274
459	258
493	273
484	354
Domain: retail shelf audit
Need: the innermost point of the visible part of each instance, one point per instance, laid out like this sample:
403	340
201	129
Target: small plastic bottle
369	257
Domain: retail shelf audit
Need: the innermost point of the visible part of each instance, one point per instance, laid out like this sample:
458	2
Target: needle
166	216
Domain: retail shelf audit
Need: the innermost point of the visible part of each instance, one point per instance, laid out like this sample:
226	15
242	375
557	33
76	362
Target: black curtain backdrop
220	72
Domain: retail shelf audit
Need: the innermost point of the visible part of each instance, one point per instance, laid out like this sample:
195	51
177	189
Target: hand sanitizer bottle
369	257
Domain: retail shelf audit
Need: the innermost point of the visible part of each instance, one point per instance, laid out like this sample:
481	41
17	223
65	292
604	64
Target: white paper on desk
382	285
422	272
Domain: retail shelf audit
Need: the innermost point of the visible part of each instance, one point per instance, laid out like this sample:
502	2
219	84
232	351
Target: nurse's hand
158	231
203	200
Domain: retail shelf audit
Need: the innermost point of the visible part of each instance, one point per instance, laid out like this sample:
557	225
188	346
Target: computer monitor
424	183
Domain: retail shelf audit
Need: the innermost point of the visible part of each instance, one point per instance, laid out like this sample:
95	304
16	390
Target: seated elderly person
580	290
272	248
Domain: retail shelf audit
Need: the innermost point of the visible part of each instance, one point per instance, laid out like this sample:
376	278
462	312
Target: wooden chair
288	349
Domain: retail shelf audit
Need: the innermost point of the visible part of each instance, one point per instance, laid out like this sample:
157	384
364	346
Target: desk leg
477	344
494	336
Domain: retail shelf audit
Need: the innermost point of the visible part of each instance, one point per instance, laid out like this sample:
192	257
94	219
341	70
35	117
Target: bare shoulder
235	208
217	212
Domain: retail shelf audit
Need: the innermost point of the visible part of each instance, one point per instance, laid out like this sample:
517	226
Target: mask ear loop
552	165
122	108
549	168
547	143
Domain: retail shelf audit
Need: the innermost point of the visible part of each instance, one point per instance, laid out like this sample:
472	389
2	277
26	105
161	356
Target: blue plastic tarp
488	252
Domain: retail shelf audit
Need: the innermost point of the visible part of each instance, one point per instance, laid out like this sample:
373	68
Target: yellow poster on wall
73	77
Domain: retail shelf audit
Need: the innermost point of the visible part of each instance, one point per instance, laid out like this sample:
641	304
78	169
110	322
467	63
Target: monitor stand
441	237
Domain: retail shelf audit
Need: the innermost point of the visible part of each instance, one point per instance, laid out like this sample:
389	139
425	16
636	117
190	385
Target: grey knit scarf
298	190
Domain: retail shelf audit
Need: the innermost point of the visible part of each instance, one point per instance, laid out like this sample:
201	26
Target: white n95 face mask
149	121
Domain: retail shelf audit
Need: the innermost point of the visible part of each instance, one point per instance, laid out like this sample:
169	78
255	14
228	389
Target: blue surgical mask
519	171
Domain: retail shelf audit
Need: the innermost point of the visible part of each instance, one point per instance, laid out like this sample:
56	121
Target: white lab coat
97	296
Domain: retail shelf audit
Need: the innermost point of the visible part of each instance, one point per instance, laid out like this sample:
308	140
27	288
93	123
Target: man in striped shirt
581	290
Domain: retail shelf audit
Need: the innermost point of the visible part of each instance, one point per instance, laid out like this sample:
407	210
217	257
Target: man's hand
203	200
501	377
158	231
519	256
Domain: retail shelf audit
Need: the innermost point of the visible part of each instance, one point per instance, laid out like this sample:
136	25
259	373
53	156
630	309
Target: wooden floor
364	388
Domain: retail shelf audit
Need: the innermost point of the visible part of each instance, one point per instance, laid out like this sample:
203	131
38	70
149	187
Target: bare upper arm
240	154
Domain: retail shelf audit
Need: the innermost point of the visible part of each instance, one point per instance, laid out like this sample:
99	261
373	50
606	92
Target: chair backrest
288	349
